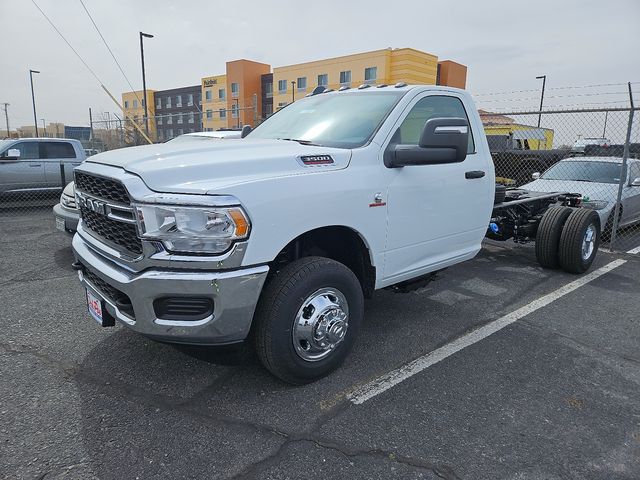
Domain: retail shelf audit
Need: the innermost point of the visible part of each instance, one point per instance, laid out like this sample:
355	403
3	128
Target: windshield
598	172
343	120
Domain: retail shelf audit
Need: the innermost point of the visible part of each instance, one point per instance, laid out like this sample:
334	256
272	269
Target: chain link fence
593	152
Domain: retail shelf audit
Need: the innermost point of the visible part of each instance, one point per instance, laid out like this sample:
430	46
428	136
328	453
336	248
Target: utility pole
544	81
293	91
33	100
144	83
6	117
90	128
604	130
44	129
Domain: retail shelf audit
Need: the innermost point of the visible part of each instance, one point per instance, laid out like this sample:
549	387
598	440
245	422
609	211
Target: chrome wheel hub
320	324
589	242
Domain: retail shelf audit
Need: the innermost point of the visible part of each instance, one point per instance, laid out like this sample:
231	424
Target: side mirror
13	153
443	140
635	183
535	175
245	131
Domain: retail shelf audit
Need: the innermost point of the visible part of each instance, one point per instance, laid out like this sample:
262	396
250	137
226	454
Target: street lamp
144	83
237	111
544	81
44	129
33	100
293	91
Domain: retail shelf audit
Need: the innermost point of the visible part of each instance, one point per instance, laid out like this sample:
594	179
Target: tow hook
78	266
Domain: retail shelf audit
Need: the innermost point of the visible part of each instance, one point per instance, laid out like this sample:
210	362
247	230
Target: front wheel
579	241
307	319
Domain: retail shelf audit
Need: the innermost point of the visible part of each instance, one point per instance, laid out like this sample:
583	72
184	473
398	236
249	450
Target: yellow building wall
128	98
214	84
534	144
393	65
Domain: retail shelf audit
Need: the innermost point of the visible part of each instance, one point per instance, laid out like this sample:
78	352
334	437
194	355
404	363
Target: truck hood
202	166
595	191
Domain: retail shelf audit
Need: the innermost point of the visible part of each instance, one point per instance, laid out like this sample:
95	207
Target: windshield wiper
301	142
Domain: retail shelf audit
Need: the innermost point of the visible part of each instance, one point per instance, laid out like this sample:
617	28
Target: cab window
28	150
59	150
434	106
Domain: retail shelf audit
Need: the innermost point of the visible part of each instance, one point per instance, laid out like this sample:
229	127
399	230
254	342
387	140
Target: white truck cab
279	236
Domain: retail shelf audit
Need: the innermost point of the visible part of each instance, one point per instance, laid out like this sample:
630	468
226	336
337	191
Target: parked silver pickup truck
36	164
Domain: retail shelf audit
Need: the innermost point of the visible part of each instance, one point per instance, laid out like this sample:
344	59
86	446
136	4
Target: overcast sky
504	44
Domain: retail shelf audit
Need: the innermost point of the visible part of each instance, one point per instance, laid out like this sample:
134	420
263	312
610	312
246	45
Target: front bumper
234	293
70	217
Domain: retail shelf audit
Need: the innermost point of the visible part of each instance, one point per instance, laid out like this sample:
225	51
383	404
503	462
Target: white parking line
634	250
394	377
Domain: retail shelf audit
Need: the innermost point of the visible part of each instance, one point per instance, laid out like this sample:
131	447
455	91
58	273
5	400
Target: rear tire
548	236
307	319
579	241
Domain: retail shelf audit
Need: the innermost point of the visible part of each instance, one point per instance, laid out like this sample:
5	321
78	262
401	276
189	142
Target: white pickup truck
279	236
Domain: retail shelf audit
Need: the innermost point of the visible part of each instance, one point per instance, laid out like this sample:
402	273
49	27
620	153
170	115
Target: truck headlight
595	204
207	230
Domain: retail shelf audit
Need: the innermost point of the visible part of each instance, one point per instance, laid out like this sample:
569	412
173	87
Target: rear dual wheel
568	238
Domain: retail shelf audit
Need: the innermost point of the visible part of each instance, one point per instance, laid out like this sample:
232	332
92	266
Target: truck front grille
101	187
122	234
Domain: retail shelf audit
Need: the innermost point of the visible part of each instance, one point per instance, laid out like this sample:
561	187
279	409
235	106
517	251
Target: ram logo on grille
92	204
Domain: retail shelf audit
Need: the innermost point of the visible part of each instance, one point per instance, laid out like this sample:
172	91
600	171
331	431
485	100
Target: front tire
307	319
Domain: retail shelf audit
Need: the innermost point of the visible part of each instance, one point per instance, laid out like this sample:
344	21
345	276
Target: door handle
474	174
35	164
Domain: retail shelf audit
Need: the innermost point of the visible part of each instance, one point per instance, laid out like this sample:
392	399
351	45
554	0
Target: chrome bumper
234	293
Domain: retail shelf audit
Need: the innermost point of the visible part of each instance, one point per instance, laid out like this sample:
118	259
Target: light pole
44	129
144	83
293	91
544	81
237	111
33	100
604	130
6	117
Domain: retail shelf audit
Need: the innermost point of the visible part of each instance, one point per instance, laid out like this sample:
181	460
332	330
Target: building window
268	110
178	100
234	110
222	94
169	133
370	74
209	114
301	83
323	80
180	131
223	113
168	104
159	119
158	103
235	89
126	104
191	120
345	78
282	86
282	105
190	100
160	134
180	119
268	89
207	95
169	119
135	104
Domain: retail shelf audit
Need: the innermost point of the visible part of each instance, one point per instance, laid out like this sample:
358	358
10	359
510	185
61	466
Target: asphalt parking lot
553	394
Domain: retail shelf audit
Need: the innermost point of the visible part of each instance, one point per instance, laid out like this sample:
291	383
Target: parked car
36	164
66	212
580	144
91	151
597	179
284	233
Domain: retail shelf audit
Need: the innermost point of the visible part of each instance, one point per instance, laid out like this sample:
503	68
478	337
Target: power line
568	87
67	42
110	51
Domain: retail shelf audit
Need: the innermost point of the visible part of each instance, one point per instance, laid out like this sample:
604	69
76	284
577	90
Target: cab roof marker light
363	86
400	84
382	85
343	88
